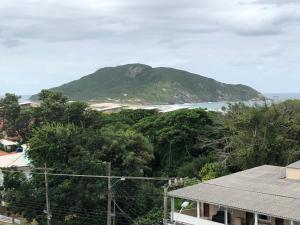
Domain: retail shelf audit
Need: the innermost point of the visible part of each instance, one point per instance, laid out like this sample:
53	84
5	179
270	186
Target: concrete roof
295	165
109	108
13	160
262	189
7	142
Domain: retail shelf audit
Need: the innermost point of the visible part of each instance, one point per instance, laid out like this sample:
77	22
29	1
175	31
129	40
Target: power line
92	176
128	217
57	211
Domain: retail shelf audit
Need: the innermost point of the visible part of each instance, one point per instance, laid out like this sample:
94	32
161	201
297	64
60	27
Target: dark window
279	221
264	217
206	210
249	218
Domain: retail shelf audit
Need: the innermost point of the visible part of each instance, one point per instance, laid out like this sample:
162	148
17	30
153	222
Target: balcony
182	219
189	217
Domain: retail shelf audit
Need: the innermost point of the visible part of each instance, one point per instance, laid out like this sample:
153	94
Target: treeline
195	144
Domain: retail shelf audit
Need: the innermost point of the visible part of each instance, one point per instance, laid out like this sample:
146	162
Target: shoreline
210	106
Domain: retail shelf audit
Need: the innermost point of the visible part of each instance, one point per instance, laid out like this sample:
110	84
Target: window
279	221
206	210
264	218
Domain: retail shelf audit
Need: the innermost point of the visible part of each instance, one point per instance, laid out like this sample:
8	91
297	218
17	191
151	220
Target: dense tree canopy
10	110
197	145
264	135
180	137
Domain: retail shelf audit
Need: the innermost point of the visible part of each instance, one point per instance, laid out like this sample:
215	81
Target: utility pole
165	220
109	194
114	218
47	197
178	182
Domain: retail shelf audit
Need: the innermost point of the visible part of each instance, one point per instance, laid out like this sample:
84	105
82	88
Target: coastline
210	106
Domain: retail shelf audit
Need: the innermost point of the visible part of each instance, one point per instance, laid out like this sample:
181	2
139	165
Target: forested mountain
140	83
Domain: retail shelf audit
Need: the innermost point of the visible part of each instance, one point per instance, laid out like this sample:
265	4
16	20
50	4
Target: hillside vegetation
138	83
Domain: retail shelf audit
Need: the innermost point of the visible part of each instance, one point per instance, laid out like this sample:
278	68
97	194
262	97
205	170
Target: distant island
143	84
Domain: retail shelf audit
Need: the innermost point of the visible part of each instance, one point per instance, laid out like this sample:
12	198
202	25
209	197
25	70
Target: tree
263	135
212	171
127	150
154	217
10	112
181	136
78	150
20	196
52	107
195	144
24	124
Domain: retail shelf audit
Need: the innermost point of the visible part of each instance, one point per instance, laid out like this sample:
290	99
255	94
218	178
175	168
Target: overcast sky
44	43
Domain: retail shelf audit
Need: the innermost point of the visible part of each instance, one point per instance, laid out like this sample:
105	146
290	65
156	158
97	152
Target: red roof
3	153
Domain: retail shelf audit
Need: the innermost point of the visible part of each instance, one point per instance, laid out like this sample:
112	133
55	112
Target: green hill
140	83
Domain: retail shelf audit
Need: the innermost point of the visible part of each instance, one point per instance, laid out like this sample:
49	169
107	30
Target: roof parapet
293	171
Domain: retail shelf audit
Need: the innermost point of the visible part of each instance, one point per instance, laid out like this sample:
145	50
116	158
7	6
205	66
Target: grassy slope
152	85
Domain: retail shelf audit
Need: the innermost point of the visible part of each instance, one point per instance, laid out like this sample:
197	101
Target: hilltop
138	83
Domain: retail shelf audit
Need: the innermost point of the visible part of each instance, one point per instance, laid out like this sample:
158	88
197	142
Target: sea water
217	106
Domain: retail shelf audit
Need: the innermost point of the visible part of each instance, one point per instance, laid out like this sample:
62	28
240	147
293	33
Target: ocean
217	106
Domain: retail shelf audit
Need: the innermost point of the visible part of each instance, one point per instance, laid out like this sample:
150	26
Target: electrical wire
92	176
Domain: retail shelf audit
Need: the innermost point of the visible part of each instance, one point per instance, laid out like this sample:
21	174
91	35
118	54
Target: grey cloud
276	2
260	21
11	43
77	20
257	30
68	21
73	37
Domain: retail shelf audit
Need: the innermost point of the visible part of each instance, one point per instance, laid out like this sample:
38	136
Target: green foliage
51	108
10	110
70	138
190	181
181	136
19	192
194	144
131	117
73	149
127	150
142	83
154	217
55	107
263	135
191	168
55	144
212	171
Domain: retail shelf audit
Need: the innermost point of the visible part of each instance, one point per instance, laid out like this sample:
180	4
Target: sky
50	42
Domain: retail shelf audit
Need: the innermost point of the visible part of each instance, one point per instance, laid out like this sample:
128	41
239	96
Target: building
3	153
8	146
106	108
15	160
109	110
28	104
265	195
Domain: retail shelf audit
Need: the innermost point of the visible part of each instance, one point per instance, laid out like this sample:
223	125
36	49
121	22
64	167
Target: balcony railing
183	219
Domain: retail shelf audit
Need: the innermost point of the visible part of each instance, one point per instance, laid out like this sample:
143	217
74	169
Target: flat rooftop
295	165
263	190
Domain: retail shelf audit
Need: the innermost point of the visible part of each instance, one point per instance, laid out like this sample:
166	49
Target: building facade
265	195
